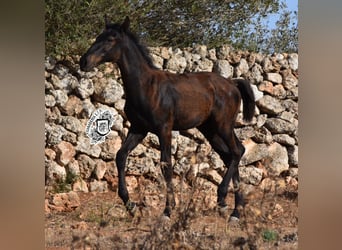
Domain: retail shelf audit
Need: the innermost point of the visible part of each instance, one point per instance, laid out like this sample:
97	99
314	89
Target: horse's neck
134	72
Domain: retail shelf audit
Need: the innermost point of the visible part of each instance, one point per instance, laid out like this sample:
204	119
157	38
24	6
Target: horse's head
107	46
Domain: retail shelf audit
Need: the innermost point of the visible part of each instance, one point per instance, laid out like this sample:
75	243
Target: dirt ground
269	219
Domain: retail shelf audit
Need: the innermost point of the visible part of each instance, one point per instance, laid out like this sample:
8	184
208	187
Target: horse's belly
191	116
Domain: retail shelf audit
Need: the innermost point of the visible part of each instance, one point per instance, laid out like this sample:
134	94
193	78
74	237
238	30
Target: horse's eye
110	39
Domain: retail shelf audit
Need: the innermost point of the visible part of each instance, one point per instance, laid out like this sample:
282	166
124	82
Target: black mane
135	39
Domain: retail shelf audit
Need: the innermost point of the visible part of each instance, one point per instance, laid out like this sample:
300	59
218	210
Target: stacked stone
271	139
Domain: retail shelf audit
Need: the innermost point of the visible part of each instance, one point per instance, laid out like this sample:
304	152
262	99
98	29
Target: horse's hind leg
230	151
239	200
236	152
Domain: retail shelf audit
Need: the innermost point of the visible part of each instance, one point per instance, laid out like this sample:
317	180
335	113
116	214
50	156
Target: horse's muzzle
84	64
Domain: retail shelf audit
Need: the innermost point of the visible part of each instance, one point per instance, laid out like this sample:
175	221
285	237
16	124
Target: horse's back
197	96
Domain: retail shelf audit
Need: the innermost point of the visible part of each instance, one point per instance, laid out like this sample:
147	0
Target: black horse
159	102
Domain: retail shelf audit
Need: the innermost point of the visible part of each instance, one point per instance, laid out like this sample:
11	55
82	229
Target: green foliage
64	186
269	235
285	36
258	37
70	24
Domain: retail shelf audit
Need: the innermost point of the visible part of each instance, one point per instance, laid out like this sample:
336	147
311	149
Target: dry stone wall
71	96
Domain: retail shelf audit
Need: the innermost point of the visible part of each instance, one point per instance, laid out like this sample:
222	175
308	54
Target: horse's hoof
223	211
233	219
165	218
167	212
131	207
165	222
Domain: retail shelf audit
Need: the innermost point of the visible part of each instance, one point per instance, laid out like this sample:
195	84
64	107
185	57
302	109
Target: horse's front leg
132	140
166	168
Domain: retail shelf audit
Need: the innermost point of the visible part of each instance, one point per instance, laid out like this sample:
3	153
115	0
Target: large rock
158	61
257	94
274	77
260	120
284	139
66	83
49	154
182	166
61	97
54	172
289	80
50	100
242	68
216	162
54	134
87	109
279	126
279	91
223	68
185	147
235	57
176	63
85	88
165	52
108	92
195	171
255	75
211	175
293	155
278	159
100	169
49	63
212	54
290	105
64	202
266	86
293	61
254	152
223	52
55	81
205	65
110	147
70	82
65	152
73	168
86	165
191	60
270	105
251	175
201	50
245	132
98	186
73	106
267	64
141	166
262	135
80	186
84	146
61	71
70	137
72	124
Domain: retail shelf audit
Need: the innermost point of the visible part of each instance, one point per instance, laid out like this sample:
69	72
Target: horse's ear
125	24
106	21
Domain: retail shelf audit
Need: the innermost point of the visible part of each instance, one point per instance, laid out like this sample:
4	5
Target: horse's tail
248	98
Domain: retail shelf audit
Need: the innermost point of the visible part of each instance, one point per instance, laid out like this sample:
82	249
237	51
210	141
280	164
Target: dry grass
269	220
